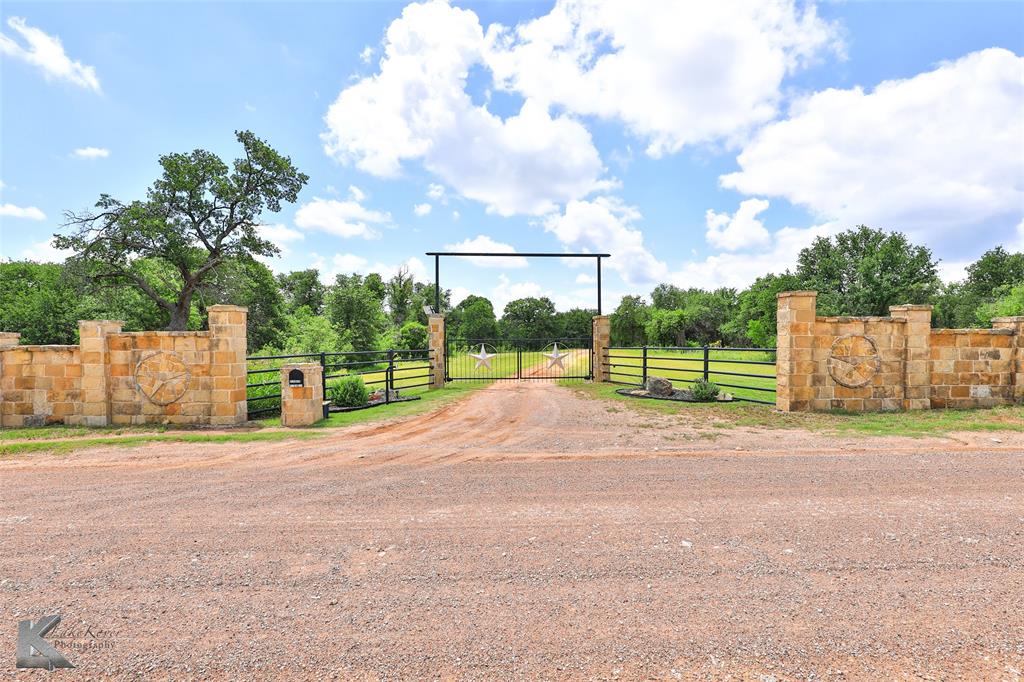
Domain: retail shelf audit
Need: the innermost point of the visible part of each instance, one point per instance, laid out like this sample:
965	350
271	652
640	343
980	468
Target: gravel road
522	533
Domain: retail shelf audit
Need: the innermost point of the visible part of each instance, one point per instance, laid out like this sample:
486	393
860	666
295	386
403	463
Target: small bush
412	336
350	392
704	391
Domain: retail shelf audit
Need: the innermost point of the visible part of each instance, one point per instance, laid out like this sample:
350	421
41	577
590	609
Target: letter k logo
30	638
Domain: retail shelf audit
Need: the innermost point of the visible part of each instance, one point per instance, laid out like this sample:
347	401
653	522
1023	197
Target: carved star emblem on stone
555	358
483	358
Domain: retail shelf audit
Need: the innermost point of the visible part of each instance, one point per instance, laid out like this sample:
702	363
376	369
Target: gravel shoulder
524	532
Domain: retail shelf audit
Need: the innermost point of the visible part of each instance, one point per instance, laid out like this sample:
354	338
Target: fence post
323	376
706	359
645	367
389	376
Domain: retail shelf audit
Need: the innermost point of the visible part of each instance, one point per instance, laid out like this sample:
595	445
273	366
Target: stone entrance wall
893	363
115	377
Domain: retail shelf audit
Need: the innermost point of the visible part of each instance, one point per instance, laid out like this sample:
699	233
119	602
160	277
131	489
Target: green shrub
350	392
412	336
704	391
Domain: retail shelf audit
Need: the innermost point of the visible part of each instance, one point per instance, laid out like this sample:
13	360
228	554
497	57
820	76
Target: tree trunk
179	314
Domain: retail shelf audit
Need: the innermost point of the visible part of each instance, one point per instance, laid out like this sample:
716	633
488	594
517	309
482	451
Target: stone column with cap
602	340
1015	323
95	357
227	364
917	378
435	342
794	364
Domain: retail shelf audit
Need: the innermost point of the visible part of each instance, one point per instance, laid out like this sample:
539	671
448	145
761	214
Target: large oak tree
199	214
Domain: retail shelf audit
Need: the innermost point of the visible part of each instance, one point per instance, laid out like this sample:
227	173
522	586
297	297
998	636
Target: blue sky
700	144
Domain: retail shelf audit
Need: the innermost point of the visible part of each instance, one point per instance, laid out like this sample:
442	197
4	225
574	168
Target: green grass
55	431
683	366
66	445
722	416
429	400
65	439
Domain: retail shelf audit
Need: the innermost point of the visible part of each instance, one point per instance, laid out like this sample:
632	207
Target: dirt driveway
523	532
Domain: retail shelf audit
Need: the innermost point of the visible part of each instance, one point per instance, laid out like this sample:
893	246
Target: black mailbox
296	378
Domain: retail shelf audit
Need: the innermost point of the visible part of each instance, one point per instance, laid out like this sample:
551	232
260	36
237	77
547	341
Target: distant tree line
862	271
195	240
859	272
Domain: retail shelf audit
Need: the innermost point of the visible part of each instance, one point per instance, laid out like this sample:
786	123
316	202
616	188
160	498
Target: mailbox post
301	394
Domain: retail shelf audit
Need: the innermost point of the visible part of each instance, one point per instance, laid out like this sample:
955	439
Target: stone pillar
1017	369
435	343
602	339
7	384
917	378
794	365
227	364
9	339
95	355
302	405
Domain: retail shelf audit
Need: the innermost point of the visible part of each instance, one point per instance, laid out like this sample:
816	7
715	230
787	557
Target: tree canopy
862	271
199	214
529	318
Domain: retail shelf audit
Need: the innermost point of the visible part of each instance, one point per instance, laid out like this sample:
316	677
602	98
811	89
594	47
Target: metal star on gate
555	358
483	358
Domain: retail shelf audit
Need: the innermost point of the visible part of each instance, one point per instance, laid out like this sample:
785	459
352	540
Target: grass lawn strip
65	439
918	423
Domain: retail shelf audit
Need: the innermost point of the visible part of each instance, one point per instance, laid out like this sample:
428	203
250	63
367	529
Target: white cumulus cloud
1017	243
280	235
435	191
422	209
46	52
935	155
46	252
676	72
740	269
606	225
348	263
416	108
91	153
484	244
29	212
506	290
341	218
742	230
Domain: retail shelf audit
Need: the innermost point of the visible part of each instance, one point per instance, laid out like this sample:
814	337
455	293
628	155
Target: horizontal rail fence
750	372
518	359
386	369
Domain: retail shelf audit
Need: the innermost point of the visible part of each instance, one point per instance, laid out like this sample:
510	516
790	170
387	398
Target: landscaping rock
659	386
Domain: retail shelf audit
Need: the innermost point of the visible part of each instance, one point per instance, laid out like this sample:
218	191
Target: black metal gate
519	359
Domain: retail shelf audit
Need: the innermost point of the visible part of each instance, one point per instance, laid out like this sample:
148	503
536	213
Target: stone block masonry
436	344
301	405
863	364
116	377
602	340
